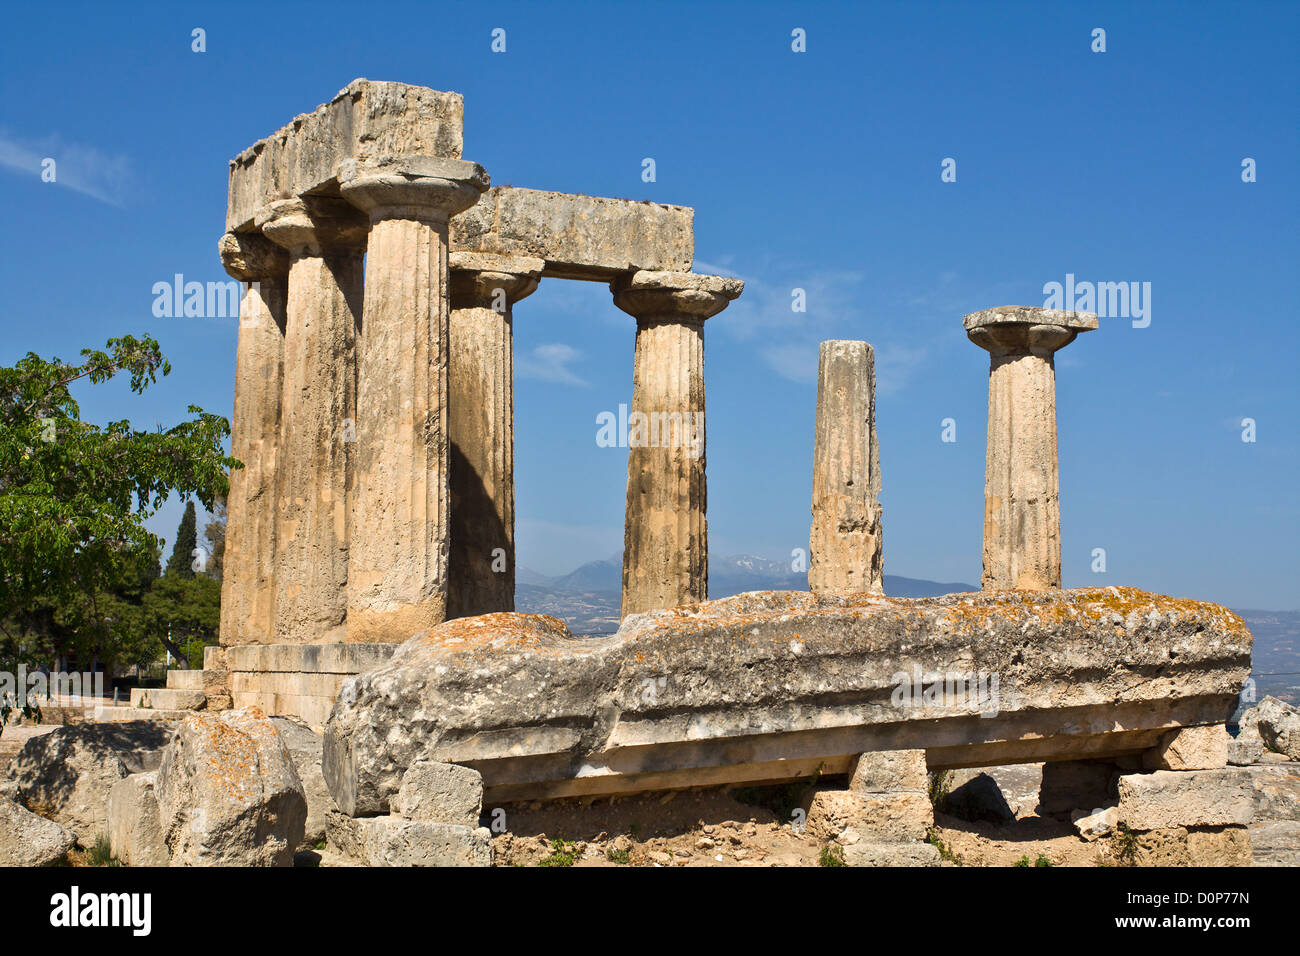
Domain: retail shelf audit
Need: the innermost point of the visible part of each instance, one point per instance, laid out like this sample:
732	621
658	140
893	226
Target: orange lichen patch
504	632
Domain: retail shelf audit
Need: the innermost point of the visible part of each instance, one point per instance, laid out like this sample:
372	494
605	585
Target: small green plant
831	855
945	851
1126	844
563	853
618	856
1039	860
101	854
939	785
319	845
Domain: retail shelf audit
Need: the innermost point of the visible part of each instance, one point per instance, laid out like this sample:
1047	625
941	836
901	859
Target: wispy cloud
550	363
84	169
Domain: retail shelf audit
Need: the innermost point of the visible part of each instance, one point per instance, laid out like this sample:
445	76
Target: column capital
1021	329
476	277
313	225
649	295
248	256
412	187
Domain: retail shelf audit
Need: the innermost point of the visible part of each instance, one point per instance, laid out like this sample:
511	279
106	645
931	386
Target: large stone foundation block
1194	846
891	854
1191	748
1166	799
394	841
839	816
889	771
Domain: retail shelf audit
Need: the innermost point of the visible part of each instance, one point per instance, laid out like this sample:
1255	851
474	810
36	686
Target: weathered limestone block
228	793
440	793
166	698
772	686
30	840
394	841
845	553
912	853
579	237
481	565
365	121
1194	846
847	817
1196	798
1278	724
1190	748
889	771
1022	512
1276	843
398	563
665	548
1245	749
134	827
326	243
247	584
304	746
67	774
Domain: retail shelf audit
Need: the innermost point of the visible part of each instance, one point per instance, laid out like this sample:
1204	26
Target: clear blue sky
817	170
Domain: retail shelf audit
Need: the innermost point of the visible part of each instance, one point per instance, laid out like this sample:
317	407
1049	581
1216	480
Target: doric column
325	239
665	545
481	427
248	579
845	543
398	572
1022	512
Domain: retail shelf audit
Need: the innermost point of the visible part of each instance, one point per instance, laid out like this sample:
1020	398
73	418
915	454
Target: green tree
76	559
187	539
215	532
183	611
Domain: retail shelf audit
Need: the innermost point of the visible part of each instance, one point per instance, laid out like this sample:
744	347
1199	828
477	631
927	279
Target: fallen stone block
889	771
844	817
1165	799
134	830
1190	748
1098	823
228	793
865	853
29	840
440	793
395	841
66	775
1276	789
1279	726
1245	749
304	746
767	687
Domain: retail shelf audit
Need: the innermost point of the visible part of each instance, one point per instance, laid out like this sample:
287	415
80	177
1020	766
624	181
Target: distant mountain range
588	597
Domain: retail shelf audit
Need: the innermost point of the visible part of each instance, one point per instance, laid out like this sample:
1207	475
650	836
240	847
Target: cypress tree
187	539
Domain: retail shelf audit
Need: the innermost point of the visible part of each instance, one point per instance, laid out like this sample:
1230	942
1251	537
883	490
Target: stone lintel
1028	315
529	266
579	237
366	120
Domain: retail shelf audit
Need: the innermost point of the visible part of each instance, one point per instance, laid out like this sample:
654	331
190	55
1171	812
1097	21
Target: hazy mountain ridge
588	597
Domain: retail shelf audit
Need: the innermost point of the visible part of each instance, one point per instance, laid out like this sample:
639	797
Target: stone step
167	698
185	680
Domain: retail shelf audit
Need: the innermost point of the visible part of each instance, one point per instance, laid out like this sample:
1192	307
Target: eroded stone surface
845	546
29	840
847	817
394	841
772	685
440	793
1191	748
134	827
1166	798
889	771
228	793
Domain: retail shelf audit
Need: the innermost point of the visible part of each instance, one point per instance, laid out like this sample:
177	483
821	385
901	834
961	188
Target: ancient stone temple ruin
376	509
374	405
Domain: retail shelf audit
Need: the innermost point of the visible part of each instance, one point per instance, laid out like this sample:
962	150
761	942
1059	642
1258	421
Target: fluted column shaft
398	571
665	546
1022	511
481	563
326	244
248	577
846	540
